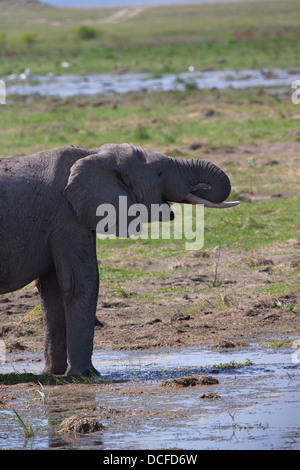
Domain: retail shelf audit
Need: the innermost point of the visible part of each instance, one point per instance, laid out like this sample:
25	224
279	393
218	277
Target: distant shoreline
129	3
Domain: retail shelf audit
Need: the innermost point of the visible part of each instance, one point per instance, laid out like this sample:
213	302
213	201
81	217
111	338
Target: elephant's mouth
191	198
170	214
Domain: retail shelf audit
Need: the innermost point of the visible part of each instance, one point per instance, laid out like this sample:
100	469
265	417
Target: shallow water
64	86
258	408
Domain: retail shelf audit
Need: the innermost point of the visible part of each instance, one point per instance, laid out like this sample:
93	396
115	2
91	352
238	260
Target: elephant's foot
89	372
55	364
50	370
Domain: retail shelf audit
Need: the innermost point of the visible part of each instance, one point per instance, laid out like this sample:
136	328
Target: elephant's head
145	177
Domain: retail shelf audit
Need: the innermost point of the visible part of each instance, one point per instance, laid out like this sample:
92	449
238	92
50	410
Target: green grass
13	378
160	121
253	225
241	117
282	343
167	39
246	227
231	365
164	39
28	430
282	288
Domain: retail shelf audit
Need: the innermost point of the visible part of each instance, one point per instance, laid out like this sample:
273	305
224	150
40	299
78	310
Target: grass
162	121
27	127
13	378
28	430
34	124
164	39
285	305
282	343
282	287
172	123
232	365
87	32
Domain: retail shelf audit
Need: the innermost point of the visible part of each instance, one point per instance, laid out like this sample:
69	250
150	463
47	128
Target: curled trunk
212	183
210	186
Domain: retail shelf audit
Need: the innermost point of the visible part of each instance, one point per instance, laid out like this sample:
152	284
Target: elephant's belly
17	272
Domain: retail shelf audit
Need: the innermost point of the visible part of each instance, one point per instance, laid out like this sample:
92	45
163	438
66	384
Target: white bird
25	74
65	65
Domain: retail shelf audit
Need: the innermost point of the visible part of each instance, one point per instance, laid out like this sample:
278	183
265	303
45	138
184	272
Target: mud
186	310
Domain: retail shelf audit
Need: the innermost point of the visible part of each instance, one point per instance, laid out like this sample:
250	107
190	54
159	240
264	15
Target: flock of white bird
26	73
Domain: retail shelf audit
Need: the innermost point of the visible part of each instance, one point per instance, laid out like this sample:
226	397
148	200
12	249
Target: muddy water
64	86
258	405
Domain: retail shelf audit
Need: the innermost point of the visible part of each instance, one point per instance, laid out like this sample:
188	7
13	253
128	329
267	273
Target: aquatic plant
232	365
28	430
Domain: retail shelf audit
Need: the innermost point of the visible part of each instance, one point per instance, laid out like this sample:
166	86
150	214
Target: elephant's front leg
77	271
55	347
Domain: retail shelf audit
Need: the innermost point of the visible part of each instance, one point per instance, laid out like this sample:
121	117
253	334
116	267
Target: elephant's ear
95	181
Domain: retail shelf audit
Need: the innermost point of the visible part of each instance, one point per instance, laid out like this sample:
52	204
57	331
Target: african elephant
48	204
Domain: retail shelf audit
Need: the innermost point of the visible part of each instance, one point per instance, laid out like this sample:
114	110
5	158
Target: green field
240	130
220	36
178	124
158	120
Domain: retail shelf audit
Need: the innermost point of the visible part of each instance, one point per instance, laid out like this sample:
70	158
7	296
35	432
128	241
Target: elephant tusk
192	199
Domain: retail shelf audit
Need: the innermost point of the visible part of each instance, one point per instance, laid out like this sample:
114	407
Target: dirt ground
231	314
184	309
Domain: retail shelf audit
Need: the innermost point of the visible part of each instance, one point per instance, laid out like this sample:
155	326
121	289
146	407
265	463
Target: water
258	408
64	86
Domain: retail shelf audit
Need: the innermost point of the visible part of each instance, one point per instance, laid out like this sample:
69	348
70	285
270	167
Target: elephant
48	220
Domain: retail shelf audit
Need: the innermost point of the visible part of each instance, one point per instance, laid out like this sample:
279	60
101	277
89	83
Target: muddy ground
185	308
233	312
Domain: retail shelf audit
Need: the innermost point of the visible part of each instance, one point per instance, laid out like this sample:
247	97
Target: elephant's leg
55	346
77	272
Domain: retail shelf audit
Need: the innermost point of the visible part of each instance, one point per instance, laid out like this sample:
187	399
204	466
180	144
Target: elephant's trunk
209	185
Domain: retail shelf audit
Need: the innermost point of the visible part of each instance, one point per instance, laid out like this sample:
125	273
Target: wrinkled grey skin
48	205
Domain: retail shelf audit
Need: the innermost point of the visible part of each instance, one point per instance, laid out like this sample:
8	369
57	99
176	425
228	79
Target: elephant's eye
159	173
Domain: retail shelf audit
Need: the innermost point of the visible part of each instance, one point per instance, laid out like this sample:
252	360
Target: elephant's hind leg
55	349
